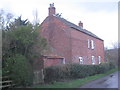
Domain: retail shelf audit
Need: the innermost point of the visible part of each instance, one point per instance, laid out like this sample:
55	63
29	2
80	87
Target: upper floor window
93	60
92	44
81	60
99	59
88	43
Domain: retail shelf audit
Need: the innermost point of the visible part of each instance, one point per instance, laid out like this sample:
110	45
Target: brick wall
80	47
52	62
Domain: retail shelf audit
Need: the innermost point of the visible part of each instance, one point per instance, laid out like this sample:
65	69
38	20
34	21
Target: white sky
98	16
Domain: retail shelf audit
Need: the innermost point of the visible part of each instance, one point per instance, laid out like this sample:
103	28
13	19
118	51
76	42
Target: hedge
74	71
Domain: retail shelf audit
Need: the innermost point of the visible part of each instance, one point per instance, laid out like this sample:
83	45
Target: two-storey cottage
71	43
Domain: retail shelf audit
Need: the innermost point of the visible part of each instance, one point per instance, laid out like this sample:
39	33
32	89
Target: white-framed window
88	43
99	59
93	60
63	60
81	60
92	44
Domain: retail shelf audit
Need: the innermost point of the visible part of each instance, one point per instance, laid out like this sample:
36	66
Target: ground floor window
93	60
81	60
99	59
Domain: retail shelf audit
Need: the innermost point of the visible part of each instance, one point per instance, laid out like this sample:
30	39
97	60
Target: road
110	81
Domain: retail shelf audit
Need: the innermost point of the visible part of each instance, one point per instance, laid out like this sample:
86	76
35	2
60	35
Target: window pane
88	43
81	60
99	59
92	44
93	59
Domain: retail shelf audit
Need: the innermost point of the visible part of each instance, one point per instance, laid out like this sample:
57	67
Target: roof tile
77	27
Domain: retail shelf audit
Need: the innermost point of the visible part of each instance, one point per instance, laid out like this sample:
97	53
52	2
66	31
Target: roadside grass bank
75	83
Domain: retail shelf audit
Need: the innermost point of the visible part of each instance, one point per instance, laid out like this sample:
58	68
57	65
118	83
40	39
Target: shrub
78	71
54	73
19	69
112	65
90	69
74	71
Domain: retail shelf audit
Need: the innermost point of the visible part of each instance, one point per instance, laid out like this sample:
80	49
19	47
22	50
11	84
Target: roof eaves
88	33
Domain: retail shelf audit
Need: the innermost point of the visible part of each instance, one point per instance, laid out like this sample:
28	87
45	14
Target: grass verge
75	83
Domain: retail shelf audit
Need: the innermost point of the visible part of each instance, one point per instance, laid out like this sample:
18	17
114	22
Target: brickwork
58	36
52	62
80	47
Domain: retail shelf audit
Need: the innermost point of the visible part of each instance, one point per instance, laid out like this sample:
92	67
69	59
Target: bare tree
36	19
112	55
115	45
1	19
5	19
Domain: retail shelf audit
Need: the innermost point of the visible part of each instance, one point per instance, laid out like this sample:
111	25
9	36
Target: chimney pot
80	24
51	9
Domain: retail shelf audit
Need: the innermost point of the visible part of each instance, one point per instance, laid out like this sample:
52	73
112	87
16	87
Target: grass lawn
75	83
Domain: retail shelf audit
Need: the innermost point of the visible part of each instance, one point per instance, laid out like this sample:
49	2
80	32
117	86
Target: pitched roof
77	27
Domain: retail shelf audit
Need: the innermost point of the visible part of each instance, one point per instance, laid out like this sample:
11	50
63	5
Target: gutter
55	57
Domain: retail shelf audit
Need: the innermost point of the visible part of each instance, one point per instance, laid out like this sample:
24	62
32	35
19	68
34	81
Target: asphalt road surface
110	81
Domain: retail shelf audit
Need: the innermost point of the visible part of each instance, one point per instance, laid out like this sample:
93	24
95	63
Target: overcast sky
98	16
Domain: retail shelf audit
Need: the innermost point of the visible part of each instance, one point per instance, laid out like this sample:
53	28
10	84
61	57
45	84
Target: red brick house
72	43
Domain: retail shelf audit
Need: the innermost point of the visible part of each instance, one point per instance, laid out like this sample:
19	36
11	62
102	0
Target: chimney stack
51	9
80	24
